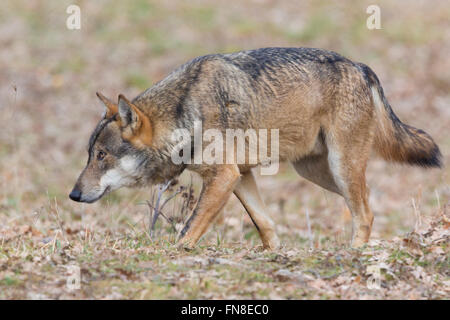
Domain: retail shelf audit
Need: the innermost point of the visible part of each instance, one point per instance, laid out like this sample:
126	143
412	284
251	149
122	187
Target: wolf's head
120	153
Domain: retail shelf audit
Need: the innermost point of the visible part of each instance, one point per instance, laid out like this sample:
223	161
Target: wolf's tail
395	140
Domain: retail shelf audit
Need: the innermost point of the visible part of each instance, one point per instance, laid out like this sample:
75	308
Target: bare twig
310	237
437	198
187	200
169	220
417	215
157	210
55	212
180	189
156	204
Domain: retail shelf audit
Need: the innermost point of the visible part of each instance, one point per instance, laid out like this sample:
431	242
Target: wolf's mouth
107	190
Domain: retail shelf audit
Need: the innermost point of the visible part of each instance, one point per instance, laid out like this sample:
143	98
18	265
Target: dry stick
186	202
437	197
161	190
156	210
163	215
150	221
418	222
58	220
170	220
171	197
308	223
175	209
150	213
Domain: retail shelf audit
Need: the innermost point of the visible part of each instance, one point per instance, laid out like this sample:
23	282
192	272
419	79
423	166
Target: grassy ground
48	79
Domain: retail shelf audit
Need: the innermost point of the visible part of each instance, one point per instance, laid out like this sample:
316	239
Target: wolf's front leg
218	184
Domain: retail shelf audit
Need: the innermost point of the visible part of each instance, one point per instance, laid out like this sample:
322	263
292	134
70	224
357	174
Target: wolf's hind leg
247	192
218	184
347	161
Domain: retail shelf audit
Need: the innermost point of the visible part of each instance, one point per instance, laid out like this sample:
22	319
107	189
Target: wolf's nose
75	195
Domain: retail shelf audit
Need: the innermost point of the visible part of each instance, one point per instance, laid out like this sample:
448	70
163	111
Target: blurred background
48	108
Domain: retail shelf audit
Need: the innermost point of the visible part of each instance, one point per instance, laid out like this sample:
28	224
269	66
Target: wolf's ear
130	116
136	126
111	107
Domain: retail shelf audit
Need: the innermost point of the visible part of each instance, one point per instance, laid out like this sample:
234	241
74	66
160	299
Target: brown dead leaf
16	232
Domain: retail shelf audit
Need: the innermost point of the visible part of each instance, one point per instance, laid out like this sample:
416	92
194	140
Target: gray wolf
331	114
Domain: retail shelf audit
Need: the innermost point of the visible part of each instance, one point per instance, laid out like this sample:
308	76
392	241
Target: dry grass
48	108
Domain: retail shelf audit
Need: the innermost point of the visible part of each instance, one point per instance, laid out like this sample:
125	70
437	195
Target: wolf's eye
101	155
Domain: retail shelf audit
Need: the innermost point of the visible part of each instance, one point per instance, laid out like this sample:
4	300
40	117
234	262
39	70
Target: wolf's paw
271	244
185	245
357	243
